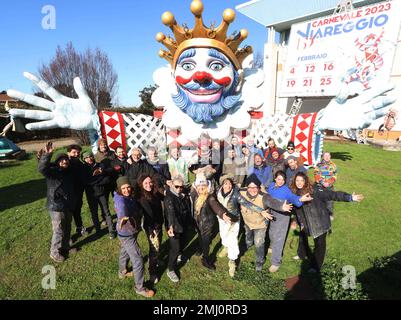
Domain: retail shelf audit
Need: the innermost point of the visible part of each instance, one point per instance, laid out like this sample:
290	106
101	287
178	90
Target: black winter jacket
177	211
314	216
60	185
101	183
138	168
152	211
161	171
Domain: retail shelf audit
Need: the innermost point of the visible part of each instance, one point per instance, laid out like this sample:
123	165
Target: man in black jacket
138	166
77	170
177	212
119	163
60	199
163	176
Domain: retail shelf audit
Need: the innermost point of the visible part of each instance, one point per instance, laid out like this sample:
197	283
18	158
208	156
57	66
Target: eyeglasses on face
290	148
178	187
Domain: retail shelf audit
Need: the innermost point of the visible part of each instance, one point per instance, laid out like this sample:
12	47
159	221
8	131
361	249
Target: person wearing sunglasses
291	151
178	222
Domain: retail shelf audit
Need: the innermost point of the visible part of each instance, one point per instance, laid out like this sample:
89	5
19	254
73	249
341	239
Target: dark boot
207	264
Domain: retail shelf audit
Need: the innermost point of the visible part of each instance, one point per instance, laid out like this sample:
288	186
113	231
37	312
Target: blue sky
124	29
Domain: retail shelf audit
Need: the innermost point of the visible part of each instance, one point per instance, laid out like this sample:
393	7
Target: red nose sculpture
202	77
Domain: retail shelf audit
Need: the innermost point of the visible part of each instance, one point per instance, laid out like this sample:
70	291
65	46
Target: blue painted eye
216	66
187	66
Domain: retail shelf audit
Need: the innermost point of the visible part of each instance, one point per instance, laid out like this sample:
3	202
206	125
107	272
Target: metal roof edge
246	4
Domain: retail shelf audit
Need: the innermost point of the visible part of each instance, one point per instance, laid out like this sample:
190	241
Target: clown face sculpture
206	82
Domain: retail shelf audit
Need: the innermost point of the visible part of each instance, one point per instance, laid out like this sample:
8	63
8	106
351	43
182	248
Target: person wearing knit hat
97	189
58	177
103	151
255	217
62	156
87	154
271	146
122	181
291	151
129	216
229	224
205	209
276	161
252	179
226	177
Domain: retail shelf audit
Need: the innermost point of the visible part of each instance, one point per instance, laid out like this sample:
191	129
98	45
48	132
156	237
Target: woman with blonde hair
205	208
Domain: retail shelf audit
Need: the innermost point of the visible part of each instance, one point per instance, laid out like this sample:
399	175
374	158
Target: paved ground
36	145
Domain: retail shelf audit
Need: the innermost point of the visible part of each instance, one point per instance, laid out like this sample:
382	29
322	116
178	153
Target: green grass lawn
361	232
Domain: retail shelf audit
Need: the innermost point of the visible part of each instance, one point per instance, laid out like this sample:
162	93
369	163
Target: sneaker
73	250
125	274
208	265
57	258
259	267
103	223
181	258
112	235
273	268
270	250
231	268
145	292
173	276
223	253
296	258
154	279
84	232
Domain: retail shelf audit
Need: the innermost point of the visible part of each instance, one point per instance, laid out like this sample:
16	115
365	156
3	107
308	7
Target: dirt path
36	145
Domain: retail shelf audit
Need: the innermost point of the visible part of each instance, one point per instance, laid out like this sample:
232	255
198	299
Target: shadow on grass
343	156
22	193
383	279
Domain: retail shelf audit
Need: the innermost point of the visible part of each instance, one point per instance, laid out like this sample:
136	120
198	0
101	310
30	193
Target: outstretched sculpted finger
32	114
31	99
79	88
376	92
83	94
42	85
382	102
50	124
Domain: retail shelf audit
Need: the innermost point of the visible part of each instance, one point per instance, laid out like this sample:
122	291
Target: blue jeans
130	251
257	237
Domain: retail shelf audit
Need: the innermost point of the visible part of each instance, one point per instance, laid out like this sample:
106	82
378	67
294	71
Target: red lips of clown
204	95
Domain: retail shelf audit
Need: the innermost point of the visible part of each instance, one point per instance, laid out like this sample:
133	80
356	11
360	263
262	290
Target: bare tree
93	67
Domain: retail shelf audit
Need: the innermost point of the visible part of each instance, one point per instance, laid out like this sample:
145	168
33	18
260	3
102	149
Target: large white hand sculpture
64	112
358	112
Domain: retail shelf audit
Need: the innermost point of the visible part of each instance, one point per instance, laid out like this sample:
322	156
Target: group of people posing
237	187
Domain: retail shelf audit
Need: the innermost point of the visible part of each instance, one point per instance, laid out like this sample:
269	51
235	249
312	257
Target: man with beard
138	166
77	170
163	176
60	200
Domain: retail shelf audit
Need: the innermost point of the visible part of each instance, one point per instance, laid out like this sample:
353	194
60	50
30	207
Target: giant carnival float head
201	90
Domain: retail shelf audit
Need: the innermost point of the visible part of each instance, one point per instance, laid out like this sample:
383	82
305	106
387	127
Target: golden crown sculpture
201	36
